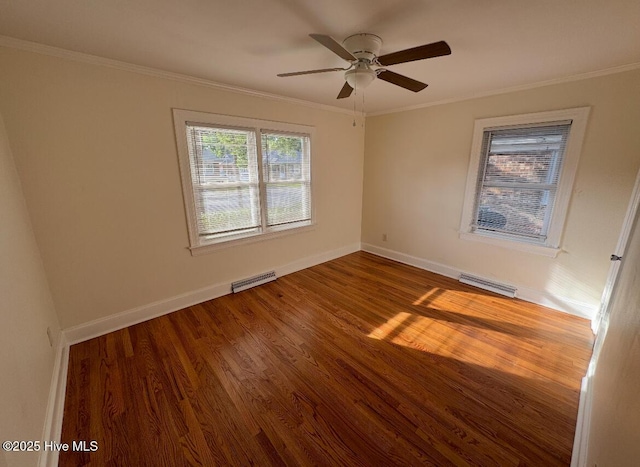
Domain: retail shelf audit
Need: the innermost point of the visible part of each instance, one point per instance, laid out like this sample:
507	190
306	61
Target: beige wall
615	421
96	152
416	167
26	310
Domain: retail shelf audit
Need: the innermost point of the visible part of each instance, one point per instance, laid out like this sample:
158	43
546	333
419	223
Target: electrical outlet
384	237
49	336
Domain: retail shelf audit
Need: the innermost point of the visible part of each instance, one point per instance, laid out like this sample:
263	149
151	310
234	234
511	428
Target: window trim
180	119
551	246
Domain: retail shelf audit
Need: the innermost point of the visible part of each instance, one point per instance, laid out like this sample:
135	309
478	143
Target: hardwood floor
358	361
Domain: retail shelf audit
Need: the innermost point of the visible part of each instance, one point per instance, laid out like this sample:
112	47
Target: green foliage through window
227	142
288	146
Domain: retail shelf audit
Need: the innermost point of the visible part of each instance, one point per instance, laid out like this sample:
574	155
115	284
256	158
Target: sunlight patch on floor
381	332
468	304
483	347
426	297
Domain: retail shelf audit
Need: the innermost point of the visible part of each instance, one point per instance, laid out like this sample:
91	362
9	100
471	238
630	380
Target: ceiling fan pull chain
354	105
363	113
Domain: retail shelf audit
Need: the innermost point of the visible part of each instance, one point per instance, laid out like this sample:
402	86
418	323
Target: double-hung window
242	178
521	177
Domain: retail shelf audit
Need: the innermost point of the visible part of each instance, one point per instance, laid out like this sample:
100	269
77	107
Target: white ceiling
496	44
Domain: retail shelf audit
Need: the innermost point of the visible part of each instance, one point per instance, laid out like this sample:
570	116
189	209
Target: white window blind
286	172
224	173
242	178
518	180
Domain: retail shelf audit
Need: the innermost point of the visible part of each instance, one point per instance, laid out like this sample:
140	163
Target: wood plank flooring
358	361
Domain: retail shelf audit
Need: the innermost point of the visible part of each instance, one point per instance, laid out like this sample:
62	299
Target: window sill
542	250
250	238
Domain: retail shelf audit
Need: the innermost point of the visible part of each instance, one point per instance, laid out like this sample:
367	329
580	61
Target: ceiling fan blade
436	49
345	91
402	81
332	45
310	72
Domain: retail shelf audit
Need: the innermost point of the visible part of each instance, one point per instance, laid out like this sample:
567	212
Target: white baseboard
309	261
421	263
101	326
139	314
55	405
583	423
557	302
538	297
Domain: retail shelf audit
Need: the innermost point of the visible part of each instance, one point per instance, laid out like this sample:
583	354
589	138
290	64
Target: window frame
197	245
551	246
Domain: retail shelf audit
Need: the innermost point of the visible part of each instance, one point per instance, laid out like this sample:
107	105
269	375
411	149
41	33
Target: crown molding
522	87
13	43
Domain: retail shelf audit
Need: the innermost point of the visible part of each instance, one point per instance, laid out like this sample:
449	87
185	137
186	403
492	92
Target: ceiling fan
362	50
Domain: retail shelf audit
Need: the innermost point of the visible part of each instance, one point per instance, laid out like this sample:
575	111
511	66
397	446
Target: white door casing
618	256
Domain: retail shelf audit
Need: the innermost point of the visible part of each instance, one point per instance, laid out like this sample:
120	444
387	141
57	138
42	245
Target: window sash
224	204
289	151
291	214
252	208
518	180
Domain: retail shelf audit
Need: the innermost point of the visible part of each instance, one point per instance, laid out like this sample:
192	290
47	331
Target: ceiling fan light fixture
360	77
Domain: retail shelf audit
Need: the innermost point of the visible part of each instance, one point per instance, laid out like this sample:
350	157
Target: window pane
286	170
520	168
227	210
285	157
529	139
288	203
517	211
222	155
225	179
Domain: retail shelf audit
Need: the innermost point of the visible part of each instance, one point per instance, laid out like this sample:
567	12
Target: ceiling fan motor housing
363	46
